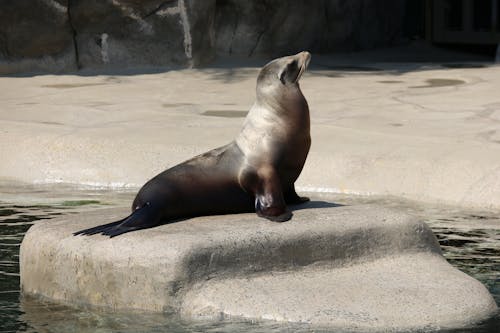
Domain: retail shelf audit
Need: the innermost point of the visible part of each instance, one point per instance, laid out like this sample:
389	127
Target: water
470	241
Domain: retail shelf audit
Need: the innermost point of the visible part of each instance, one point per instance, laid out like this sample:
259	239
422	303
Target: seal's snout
305	58
302	59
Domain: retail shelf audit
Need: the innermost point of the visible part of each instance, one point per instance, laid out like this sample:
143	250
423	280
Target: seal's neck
287	101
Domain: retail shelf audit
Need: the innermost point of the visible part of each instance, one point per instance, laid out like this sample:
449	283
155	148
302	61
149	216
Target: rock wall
142	33
62	35
35	35
275	27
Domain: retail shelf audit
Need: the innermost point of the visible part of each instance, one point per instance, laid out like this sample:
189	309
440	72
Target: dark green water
470	241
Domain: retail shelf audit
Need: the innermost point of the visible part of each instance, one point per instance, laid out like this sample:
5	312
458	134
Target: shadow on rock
315	204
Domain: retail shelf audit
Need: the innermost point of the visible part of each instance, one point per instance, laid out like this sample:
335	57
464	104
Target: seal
255	172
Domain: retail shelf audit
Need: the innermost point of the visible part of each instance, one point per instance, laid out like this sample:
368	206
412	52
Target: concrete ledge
359	268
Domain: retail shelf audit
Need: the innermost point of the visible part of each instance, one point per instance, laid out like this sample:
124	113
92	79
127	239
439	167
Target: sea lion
256	171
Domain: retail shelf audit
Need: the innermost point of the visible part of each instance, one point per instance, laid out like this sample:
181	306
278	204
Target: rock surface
122	33
357	268
112	34
104	34
281	27
35	35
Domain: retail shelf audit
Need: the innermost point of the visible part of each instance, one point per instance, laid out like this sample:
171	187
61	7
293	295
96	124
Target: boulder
353	268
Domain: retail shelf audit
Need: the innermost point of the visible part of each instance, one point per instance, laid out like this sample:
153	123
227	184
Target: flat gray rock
358	268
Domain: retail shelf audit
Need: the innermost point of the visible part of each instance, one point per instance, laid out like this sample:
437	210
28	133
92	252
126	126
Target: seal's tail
142	218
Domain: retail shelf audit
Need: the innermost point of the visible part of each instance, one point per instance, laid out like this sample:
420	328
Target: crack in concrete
416	106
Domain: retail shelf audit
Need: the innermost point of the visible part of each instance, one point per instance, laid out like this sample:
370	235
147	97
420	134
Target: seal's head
282	75
287	70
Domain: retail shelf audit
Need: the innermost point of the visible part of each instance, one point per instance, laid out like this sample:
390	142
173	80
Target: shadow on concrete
315	204
409	57
414	56
103	72
233	74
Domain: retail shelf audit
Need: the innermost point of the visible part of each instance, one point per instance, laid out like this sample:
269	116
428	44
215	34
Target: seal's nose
305	58
305	54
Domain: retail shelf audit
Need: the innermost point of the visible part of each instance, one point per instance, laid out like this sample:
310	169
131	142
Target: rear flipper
292	198
144	217
98	229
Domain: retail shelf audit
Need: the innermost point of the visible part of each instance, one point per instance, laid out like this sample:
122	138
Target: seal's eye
289	73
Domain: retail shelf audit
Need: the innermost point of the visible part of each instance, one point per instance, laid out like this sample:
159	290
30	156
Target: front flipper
269	200
292	198
269	207
144	217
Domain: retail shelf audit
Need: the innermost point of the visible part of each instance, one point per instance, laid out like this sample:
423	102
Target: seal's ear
289	72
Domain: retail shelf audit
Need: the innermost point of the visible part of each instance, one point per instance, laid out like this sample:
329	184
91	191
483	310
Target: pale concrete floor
417	130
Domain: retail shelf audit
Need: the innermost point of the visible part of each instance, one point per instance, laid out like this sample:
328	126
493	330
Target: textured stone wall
35	35
62	35
275	27
142	33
